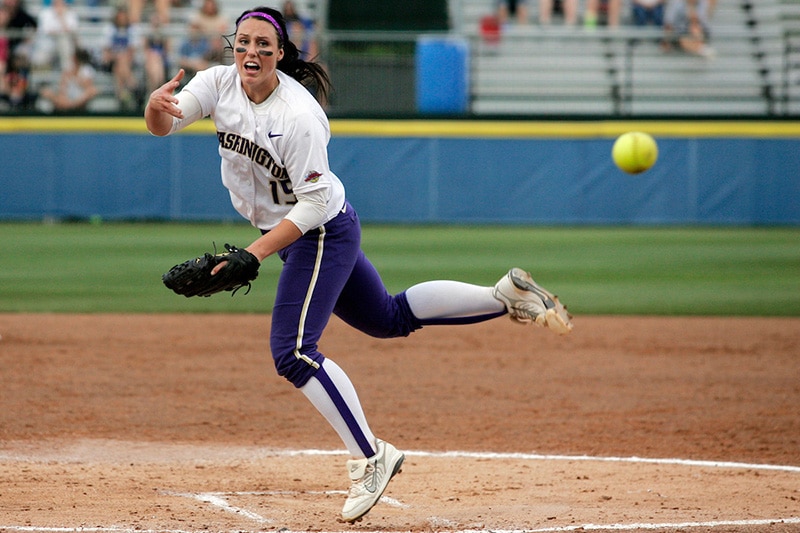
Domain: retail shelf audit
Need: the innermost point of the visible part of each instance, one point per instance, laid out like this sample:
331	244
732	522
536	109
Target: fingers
174	83
219	267
165	104
162	99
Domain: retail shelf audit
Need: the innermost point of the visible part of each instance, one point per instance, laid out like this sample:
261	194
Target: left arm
281	236
309	212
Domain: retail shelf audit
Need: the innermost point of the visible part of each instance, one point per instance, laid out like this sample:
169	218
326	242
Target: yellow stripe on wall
77	125
439	128
561	129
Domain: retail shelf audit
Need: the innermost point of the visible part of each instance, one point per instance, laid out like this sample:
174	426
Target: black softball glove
193	277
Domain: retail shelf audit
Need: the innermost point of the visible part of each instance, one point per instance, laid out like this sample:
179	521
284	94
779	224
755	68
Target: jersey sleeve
306	159
205	88
190	107
310	210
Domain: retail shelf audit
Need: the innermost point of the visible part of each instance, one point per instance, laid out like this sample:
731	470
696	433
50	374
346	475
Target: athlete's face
256	53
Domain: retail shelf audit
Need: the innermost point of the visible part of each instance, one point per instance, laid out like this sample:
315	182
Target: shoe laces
360	486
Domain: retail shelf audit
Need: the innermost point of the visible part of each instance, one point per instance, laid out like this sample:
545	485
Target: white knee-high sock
451	299
334	396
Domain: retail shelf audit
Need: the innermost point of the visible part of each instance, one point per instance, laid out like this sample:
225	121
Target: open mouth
251	66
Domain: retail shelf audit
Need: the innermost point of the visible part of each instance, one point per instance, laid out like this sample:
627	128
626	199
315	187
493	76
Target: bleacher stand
531	70
625	71
93	18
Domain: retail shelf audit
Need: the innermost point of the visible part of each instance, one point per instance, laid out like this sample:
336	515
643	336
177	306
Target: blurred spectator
121	44
20	21
213	25
5	49
76	86
646	12
602	11
156	54
195	53
567	8
210	20
136	9
56	36
301	30
15	92
507	10
20	48
5	46
686	27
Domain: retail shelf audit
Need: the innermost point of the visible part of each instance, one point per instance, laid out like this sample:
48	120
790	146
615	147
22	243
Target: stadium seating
564	71
570	71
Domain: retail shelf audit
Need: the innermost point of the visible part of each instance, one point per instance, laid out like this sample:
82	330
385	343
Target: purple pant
326	272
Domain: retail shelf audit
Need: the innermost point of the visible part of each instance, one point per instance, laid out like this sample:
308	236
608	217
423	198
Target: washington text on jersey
246	147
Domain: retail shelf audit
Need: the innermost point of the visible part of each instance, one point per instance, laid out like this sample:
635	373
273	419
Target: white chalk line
555	529
214	497
218	499
541	457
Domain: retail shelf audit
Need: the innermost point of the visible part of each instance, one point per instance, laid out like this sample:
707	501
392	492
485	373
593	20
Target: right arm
162	106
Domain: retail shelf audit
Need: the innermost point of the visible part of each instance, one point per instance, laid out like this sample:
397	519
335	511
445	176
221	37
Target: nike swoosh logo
372	483
273	135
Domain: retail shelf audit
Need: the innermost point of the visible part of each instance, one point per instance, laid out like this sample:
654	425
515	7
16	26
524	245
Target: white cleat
369	479
527	302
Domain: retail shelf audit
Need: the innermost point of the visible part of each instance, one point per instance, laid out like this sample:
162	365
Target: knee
296	366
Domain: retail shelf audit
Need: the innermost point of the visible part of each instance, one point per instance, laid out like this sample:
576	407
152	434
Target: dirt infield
179	423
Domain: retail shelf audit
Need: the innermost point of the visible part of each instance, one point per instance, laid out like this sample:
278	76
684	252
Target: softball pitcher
273	138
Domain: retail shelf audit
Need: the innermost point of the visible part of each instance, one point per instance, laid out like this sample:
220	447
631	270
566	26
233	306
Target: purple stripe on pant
325	272
344	410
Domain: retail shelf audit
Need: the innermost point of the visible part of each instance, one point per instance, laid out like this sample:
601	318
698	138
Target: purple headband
264	15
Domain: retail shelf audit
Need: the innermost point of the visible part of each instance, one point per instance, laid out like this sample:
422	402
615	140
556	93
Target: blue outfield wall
442	172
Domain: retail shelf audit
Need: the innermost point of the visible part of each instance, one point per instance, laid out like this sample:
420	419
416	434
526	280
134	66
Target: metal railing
558	71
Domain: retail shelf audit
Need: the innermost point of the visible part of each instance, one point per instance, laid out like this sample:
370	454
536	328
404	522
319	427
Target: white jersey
271	152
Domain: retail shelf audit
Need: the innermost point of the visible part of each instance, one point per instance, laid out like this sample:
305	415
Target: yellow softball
635	152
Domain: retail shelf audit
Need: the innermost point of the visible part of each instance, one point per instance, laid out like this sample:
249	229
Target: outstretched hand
162	99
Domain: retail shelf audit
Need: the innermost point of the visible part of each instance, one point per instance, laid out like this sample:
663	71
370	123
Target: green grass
81	267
